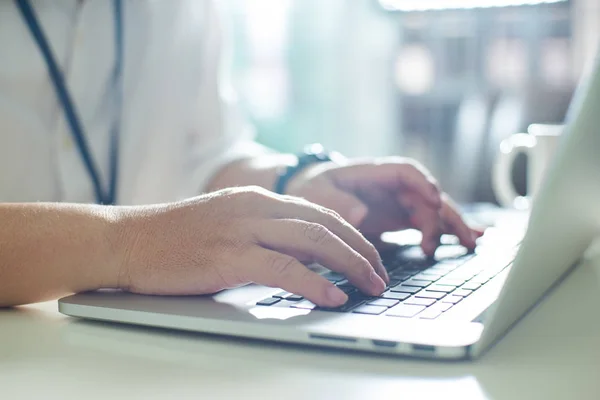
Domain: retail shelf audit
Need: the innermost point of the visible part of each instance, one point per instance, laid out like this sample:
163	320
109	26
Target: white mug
539	146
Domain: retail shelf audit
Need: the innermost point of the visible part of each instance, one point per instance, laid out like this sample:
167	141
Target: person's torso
162	40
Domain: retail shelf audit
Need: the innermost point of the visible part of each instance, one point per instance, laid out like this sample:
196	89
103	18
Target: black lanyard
102	197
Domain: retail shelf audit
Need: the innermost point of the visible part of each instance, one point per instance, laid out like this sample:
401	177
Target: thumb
347	205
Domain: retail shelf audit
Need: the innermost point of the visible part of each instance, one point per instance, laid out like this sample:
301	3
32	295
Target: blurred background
442	81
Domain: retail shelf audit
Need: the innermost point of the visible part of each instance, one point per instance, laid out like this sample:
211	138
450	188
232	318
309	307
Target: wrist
256	171
308	164
297	185
121	235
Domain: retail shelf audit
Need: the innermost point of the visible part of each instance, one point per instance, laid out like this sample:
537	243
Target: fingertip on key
378	284
429	247
336	296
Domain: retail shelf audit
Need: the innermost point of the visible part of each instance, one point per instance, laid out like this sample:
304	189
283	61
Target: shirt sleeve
219	133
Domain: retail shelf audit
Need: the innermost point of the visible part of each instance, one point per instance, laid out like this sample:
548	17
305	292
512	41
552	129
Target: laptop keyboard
420	287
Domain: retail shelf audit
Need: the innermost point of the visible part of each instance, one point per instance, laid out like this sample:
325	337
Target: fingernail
357	215
336	296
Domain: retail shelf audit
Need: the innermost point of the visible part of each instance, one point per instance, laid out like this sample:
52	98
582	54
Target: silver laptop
452	307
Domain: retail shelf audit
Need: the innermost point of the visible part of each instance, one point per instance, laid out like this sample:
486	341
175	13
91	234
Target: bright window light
426	5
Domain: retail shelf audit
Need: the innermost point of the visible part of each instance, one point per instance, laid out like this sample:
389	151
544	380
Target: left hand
382	195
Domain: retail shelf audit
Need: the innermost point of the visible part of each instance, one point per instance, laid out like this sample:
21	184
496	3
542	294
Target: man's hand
236	236
385	195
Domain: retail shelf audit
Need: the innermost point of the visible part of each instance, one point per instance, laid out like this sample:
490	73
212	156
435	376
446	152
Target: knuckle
282	265
331	213
255	193
235	245
317	233
250	200
372	251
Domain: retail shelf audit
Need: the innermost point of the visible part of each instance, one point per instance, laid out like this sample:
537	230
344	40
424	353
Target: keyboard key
482	278
269	301
354	300
405	310
412	270
394	282
430	313
452	299
405	289
425	276
417	283
462	275
462	292
450	282
456	262
304	304
418	301
343	282
430	295
444	306
434	311
288	296
395	295
471	285
442	269
401	275
441	288
384	302
347	289
368	309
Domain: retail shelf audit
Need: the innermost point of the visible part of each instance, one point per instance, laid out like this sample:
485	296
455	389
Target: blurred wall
444	87
311	70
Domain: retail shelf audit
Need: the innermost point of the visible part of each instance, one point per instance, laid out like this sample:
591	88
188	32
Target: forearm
50	250
257	171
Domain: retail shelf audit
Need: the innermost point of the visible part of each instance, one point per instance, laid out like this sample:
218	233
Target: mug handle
502	183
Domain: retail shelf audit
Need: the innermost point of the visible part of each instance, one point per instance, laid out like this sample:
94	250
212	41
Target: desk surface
554	353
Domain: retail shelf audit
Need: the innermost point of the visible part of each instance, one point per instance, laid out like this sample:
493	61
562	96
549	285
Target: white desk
554	353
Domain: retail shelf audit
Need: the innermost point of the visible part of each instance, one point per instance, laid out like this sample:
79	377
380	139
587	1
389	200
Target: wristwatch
312	154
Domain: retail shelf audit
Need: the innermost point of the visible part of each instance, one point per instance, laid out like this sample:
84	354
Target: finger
292	236
350	207
274	269
393	175
455	225
425	219
295	208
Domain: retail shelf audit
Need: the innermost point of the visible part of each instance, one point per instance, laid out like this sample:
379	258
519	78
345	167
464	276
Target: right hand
238	236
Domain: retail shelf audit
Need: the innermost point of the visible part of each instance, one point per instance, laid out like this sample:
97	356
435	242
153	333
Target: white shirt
176	131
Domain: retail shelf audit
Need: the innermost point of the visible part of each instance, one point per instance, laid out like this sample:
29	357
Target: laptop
453	306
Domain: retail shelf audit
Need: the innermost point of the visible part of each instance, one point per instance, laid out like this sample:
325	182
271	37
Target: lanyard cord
70	112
